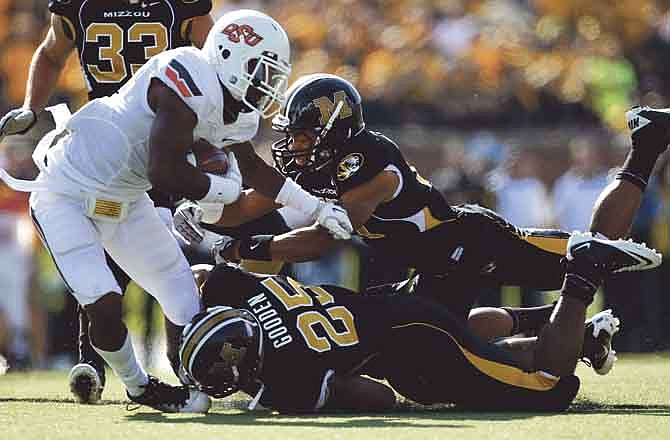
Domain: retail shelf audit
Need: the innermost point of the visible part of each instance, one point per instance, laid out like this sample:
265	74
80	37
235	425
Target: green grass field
632	402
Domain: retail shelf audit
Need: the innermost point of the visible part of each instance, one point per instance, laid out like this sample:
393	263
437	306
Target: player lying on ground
328	150
172	24
304	348
97	166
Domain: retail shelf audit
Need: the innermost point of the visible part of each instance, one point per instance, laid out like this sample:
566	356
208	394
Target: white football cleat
597	351
85	383
613	255
198	402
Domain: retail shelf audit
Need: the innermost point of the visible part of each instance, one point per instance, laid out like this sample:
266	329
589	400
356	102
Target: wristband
211	212
256	248
292	195
222	190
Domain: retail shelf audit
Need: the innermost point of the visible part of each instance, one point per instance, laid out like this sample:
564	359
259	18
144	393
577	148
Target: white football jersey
108	150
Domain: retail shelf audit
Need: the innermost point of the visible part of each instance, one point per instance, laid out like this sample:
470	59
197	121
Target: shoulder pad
184	70
369	151
188	76
193	8
365	156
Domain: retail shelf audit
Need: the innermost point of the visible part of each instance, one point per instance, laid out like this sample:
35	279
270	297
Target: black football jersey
115	38
309	332
416	208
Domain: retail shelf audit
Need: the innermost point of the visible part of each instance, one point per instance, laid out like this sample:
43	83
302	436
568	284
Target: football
208	158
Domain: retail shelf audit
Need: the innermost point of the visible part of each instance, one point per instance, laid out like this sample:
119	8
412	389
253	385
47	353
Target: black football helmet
222	350
326	104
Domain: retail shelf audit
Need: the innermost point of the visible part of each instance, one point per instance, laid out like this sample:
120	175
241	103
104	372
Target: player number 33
111	39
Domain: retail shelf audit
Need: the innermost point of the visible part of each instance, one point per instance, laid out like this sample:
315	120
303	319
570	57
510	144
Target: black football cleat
173	399
649	128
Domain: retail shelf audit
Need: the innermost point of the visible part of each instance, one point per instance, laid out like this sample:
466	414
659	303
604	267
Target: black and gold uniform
310	333
415	208
416	226
115	38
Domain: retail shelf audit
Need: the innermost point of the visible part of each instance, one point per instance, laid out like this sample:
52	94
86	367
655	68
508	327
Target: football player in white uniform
131	31
98	164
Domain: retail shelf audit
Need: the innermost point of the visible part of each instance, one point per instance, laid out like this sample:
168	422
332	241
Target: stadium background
516	104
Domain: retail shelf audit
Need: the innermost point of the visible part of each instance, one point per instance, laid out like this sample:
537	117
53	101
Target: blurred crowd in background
514	104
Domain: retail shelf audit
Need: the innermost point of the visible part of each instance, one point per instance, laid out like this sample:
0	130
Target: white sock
126	367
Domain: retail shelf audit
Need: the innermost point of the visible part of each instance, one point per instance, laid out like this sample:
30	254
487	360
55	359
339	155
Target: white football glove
187	223
335	219
17	121
220	247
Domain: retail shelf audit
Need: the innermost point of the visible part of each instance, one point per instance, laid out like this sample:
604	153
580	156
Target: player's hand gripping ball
208	158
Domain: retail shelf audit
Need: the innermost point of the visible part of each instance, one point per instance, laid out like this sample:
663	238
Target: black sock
529	318
638	167
87	353
579	287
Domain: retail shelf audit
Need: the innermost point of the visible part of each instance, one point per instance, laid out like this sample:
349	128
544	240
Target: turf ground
632	402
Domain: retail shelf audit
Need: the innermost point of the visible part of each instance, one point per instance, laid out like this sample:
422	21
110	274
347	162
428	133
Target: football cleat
86	383
649	127
598	332
612	255
173	399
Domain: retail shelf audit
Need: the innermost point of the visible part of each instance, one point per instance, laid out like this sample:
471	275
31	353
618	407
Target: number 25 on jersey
309	322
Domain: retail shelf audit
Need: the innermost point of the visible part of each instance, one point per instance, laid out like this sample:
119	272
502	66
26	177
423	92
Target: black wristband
578	287
256	247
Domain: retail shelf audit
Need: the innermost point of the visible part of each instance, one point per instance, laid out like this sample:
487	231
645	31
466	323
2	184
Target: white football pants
140	244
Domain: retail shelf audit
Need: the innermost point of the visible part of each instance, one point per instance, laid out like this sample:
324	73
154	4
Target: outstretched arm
257	173
46	65
284	191
312	242
45	68
250	206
